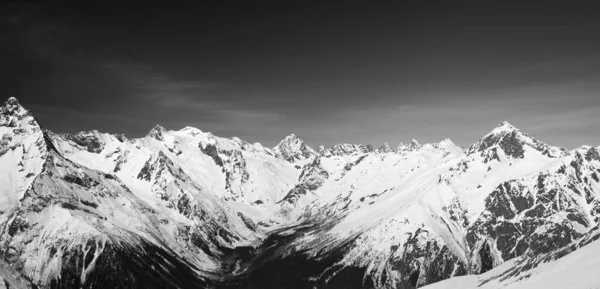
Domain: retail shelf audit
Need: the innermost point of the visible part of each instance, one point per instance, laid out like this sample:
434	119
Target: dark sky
360	72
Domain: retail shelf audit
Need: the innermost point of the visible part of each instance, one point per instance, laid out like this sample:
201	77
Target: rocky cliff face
187	209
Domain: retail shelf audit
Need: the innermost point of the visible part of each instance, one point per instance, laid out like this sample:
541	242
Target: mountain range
188	209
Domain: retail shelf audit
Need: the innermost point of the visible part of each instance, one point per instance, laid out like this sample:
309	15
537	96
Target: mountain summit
12	112
292	149
513	142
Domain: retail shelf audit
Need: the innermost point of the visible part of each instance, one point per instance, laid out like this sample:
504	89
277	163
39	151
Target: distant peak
292	148
414	144
512	141
504	126
385	148
348	149
291	137
401	147
449	146
11	112
191	129
505	123
13	115
12	104
445	143
12	100
157	132
158	128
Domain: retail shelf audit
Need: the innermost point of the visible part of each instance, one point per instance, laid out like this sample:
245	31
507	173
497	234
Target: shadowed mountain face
187	209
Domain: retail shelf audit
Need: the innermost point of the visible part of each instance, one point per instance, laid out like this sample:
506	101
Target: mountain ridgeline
187	209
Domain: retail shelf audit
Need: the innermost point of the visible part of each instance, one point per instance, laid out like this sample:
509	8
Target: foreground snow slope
573	267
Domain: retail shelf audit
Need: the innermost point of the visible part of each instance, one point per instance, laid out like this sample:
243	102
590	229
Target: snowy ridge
22	152
197	210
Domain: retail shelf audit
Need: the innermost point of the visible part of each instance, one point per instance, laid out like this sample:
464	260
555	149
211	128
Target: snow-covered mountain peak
503	128
401	147
292	149
506	125
347	149
513	142
12	112
12	105
385	148
414	144
449	146
446	142
191	130
291	140
157	132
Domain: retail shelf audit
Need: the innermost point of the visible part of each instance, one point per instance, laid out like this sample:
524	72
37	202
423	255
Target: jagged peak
12	101
414	144
401	147
504	128
157	132
158	127
512	141
13	107
385	148
12	114
292	148
322	149
291	138
505	124
347	149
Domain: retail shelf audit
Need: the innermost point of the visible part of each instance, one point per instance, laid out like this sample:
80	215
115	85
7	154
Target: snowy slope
573	267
